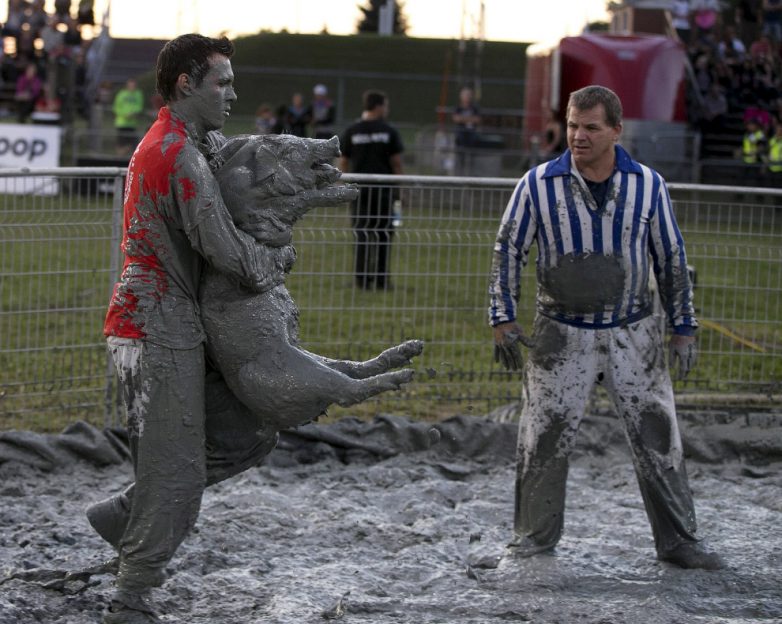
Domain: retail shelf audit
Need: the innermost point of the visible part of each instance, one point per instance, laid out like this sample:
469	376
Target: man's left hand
682	354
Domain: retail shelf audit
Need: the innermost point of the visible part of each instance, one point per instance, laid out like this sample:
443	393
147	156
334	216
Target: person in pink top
28	89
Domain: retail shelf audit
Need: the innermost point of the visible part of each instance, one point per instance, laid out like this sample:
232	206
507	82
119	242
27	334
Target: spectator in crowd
703	73
297	116
553	137
47	108
322	112
36	17
722	74
25	46
681	20
772	20
62	10
775	154
595	325
753	150
82	106
715	109
128	106
747	18
761	48
86	13
776	107
745	82
265	121
766	83
52	39
759	115
730	48
72	34
28	90
14	19
372	145
467	117
706	17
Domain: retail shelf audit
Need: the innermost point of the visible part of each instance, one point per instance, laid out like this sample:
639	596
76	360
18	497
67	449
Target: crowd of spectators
737	66
299	118
45	50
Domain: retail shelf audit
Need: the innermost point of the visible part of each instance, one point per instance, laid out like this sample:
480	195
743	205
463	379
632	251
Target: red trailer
647	72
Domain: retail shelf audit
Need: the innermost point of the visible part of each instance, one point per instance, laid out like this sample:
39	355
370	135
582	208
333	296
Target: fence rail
59	256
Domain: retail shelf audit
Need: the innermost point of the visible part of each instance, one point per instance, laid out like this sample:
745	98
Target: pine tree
370	17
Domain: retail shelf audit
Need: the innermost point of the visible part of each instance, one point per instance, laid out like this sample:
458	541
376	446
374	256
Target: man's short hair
187	54
591	96
373	99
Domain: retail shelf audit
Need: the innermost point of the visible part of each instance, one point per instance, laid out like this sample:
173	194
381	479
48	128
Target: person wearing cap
322	113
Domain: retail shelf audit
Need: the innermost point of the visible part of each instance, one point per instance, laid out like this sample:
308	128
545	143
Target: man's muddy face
215	95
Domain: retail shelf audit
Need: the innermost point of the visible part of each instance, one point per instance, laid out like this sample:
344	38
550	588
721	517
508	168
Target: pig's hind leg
292	387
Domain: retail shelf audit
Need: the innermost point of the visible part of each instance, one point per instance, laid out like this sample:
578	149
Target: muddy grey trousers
563	366
186	430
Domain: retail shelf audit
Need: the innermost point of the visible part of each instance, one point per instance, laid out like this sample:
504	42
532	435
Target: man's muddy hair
593	95
187	54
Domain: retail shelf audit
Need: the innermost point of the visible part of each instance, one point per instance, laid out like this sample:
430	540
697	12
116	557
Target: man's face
590	139
212	99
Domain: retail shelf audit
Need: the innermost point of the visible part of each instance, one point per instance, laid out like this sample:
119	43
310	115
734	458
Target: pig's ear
231	152
265	162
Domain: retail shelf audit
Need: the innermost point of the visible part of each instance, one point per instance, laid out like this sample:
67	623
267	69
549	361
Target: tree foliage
370	17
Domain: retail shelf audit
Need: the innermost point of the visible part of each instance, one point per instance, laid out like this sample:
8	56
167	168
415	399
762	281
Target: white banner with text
32	146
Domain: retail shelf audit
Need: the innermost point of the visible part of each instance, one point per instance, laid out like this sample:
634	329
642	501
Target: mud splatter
582	284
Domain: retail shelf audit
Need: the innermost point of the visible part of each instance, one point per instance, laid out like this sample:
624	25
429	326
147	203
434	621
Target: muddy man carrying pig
203	270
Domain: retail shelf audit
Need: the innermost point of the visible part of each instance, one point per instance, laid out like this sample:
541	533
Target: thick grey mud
341	527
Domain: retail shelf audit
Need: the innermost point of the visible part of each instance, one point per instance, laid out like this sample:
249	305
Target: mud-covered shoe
527	547
109	518
130	608
691	555
126	615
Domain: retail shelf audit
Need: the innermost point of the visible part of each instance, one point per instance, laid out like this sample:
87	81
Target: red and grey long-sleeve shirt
174	221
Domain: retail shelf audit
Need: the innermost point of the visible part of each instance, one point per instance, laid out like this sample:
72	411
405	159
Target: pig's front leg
399	355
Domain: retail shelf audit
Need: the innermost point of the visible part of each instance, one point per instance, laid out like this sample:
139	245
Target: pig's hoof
402	377
401	354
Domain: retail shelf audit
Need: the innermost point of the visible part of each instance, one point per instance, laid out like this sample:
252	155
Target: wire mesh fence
57	262
59	256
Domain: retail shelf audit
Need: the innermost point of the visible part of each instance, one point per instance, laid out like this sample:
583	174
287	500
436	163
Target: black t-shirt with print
369	144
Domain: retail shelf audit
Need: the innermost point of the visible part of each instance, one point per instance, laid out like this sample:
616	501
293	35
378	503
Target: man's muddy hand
507	352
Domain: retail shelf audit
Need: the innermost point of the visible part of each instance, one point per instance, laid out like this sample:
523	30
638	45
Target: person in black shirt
372	145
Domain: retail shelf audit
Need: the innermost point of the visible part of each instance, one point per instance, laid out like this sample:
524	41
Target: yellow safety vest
775	154
750	146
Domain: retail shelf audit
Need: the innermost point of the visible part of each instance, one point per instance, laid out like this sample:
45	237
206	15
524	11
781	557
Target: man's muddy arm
212	232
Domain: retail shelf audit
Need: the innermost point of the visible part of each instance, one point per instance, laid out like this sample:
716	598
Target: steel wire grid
60	256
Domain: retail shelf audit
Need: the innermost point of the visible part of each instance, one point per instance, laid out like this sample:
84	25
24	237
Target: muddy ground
394	522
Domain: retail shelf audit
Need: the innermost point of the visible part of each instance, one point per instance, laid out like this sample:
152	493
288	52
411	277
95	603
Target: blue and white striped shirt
593	261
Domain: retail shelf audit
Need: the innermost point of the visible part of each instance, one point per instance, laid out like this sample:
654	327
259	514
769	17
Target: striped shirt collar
561	166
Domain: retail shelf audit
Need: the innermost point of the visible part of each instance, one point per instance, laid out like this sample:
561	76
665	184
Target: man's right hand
285	257
507	337
277	262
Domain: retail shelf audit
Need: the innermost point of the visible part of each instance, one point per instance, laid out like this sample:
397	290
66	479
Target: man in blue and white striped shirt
602	222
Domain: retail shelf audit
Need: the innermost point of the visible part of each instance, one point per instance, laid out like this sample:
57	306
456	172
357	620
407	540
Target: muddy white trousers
186	431
563	367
